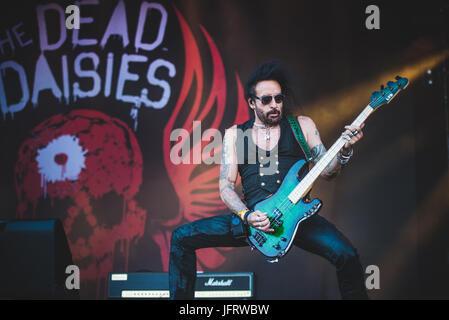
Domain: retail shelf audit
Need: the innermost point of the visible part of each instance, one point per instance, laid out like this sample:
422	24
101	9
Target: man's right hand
259	221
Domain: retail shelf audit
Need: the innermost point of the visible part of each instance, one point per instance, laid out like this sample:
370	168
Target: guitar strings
286	204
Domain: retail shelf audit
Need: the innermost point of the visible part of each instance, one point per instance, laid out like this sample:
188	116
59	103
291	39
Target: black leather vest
262	171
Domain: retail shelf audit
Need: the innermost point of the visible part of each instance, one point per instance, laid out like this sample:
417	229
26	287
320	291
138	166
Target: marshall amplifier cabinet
149	285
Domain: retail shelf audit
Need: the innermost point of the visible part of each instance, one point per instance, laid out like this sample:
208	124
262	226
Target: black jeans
316	235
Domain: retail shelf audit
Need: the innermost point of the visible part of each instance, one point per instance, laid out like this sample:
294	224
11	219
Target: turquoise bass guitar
289	206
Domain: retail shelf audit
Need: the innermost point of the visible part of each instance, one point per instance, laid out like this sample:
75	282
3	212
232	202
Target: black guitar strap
299	137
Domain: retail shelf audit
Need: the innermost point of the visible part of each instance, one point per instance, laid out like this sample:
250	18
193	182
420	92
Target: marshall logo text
211	282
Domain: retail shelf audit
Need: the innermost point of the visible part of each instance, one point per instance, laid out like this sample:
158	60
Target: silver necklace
267	132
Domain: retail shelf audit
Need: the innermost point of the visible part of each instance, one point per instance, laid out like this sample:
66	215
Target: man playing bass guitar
262	150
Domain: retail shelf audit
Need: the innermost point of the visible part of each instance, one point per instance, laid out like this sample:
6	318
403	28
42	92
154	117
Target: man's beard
267	120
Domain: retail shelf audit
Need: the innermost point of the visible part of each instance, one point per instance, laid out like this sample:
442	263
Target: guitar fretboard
314	173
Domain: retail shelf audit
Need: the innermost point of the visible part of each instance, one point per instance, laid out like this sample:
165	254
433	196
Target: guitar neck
306	184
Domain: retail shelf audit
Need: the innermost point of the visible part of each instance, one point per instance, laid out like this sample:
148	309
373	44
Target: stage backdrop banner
115	118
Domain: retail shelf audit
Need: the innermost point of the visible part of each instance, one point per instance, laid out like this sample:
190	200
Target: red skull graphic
84	159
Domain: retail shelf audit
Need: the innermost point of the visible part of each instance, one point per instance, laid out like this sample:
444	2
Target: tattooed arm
229	171
228	177
317	148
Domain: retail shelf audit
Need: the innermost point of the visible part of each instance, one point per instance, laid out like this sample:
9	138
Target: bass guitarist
267	142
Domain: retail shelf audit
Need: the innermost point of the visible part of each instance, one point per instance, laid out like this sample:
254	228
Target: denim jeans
316	235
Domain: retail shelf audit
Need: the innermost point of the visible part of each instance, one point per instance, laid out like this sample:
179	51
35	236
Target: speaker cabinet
34	255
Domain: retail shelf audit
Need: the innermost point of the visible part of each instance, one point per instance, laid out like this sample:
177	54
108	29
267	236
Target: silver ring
353	133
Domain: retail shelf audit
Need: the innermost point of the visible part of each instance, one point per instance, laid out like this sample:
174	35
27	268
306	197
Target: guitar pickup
276	221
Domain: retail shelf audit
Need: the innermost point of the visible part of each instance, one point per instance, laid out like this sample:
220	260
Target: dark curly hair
272	70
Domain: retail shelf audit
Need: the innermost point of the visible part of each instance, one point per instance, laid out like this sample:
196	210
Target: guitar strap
299	137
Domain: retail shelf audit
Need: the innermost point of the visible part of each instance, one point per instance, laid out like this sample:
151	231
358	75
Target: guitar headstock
385	95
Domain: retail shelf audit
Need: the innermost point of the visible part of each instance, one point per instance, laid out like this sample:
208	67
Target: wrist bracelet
242	213
245	218
344	159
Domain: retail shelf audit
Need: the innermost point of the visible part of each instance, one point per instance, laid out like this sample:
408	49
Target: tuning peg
375	95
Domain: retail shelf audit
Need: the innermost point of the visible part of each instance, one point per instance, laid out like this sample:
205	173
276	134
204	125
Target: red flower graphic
198	193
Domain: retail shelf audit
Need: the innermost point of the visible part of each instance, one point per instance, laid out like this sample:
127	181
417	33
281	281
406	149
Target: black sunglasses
267	99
